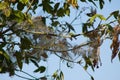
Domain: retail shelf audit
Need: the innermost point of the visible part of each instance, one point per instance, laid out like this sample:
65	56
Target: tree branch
29	6
56	35
26	73
62	50
23	77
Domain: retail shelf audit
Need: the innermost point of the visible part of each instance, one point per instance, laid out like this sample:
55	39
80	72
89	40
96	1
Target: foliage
28	39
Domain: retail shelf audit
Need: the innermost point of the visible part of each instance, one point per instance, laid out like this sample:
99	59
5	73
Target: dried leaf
73	3
115	42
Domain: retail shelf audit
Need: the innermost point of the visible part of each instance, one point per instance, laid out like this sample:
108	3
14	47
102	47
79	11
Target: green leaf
34	62
83	0
115	14
67	12
58	78
25	43
66	9
92	78
70	27
55	23
47	7
61	76
92	2
85	67
119	56
88	63
19	59
18	16
101	3
110	0
3	5
41	69
85	27
35	2
20	6
4	54
60	12
110	28
24	1
92	19
101	17
56	6
55	74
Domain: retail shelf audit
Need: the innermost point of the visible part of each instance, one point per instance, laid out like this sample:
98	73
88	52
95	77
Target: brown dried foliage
115	42
95	38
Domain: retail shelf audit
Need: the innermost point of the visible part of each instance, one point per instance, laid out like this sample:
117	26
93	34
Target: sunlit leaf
55	74
92	19
3	5
101	17
18	16
41	69
7	12
88	62
4	54
67	12
24	1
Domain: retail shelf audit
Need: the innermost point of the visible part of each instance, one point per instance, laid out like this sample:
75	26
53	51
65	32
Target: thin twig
86	71
65	58
26	73
29	6
76	17
74	62
49	34
23	77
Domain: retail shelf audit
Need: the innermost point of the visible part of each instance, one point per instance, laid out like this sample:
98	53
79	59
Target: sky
108	70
